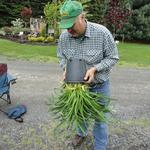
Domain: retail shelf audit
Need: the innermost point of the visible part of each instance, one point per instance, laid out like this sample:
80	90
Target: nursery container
75	71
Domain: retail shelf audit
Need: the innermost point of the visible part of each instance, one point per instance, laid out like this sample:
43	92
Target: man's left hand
89	76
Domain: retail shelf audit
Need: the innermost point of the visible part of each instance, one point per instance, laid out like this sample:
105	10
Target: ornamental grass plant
75	104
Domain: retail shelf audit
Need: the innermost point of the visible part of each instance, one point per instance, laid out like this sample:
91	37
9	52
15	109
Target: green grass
27	52
136	55
131	54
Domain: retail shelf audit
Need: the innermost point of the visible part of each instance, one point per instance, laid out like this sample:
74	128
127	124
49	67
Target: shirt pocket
93	56
69	53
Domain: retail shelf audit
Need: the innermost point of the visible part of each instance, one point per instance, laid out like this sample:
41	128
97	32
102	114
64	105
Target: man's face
78	27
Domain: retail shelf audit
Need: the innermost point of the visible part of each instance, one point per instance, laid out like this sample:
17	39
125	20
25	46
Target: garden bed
24	40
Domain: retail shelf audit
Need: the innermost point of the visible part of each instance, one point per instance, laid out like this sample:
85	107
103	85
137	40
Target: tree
38	7
51	11
138	27
137	4
26	14
117	16
96	11
10	9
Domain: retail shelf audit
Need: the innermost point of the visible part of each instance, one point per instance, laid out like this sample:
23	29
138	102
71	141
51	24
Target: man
95	44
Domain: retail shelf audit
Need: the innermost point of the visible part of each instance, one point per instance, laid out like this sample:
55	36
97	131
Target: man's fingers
86	76
89	79
64	75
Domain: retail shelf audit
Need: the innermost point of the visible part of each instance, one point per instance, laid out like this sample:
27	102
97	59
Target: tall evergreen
11	9
96	10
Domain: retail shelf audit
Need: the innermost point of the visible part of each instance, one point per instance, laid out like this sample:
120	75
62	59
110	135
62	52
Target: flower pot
75	71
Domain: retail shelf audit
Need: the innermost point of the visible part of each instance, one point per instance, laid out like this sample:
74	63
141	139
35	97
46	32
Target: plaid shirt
96	47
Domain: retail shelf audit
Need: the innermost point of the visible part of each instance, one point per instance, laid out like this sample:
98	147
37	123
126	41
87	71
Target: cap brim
66	23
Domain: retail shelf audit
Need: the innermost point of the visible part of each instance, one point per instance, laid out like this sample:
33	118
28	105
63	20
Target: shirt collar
87	32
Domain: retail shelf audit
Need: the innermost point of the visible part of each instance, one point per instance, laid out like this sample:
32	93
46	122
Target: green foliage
10	10
38	7
96	10
18	26
6	30
18	23
36	39
138	27
3	33
51	11
41	39
75	105
136	4
50	39
111	13
52	14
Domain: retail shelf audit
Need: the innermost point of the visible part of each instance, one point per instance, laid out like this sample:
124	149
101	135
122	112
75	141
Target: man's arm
111	57
110	53
60	55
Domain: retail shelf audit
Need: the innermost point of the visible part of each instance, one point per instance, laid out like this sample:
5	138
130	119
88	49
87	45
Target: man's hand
64	75
89	76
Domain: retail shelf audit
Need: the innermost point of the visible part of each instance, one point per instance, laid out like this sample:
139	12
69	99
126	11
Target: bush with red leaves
26	12
117	14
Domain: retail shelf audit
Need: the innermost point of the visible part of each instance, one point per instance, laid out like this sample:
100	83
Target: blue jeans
100	129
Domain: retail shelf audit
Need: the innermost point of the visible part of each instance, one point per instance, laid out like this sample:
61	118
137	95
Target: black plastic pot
75	71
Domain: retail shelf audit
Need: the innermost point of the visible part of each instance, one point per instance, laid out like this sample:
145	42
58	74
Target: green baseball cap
69	12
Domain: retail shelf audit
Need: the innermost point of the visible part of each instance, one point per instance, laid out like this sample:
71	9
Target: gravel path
130	130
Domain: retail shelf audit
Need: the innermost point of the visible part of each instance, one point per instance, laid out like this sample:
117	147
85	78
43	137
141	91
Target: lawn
137	55
131	54
27	52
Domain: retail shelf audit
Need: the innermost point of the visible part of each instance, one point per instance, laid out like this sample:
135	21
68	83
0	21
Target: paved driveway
36	81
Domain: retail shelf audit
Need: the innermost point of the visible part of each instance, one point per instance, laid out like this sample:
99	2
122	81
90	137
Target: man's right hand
89	76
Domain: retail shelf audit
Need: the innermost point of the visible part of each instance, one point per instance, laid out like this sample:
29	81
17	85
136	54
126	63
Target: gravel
129	126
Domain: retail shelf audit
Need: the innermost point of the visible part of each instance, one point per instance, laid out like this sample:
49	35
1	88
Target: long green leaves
76	105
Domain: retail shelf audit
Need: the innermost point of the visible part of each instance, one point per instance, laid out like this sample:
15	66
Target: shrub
40	39
138	26
7	30
50	39
2	32
36	39
17	26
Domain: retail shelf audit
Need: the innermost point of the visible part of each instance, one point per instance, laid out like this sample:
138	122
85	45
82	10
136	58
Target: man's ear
83	15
